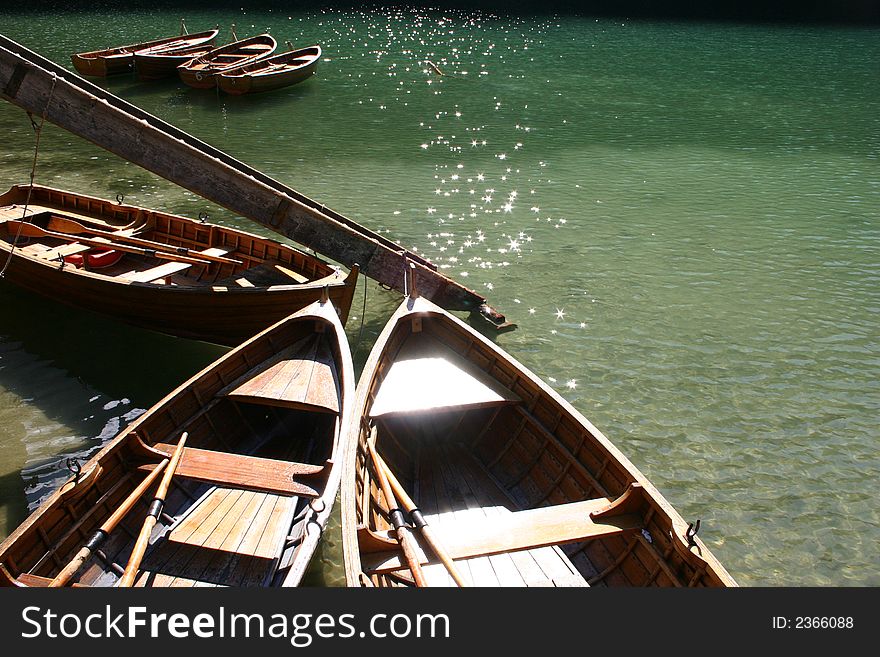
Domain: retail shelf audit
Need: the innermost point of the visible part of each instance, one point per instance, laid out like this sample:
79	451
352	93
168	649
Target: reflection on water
681	218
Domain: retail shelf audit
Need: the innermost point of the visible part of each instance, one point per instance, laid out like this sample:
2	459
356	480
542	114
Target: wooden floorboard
435	507
229	537
495	503
482	572
462	489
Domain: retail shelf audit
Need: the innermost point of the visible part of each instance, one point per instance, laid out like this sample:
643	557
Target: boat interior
259	449
191	253
231	57
519	492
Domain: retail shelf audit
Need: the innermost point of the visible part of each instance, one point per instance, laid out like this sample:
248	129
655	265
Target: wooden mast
40	86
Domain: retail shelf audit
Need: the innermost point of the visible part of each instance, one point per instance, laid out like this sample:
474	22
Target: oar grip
418	520
397	518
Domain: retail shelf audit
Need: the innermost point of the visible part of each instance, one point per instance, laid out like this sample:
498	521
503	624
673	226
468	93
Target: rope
39	131
357	343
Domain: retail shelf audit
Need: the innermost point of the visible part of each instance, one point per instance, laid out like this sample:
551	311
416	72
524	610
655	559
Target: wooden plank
63	251
506	564
465	512
428	376
444	513
302	376
154	273
229	528
170	558
537	566
249	472
218	568
521	530
258	554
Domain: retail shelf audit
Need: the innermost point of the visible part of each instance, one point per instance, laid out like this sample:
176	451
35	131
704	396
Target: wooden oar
420	523
72	568
32	230
143	539
404	537
71	227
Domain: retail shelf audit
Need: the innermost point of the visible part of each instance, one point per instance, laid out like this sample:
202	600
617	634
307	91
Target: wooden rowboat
201	72
120	59
176	275
271	73
517	487
162	61
252	491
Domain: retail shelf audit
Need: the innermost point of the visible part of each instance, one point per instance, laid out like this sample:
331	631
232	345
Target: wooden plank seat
167	269
429	376
35	581
155	273
303	376
523	530
63	251
265	274
248	472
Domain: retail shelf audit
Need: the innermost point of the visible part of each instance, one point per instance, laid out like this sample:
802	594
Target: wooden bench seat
248	472
63	251
155	273
35	581
519	530
167	269
302	376
264	275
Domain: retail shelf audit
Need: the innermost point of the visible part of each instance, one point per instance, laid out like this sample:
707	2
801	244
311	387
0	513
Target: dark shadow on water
119	360
77	356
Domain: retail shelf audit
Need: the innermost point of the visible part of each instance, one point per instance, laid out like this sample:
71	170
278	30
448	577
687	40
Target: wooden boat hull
520	488
217	309
120	59
201	72
162	62
102	66
160	65
272	73
253	490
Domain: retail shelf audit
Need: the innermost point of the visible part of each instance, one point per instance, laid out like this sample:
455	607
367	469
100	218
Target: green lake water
682	218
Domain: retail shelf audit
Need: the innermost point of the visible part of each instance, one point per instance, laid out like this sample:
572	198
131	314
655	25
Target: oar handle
421	524
72	568
143	539
404	537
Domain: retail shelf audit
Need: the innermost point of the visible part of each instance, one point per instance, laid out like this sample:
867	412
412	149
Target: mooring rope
357	343
38	129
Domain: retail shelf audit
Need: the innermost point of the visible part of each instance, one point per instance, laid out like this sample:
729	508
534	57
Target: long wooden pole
143	539
404	537
73	567
26	229
42	87
420	523
71	227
